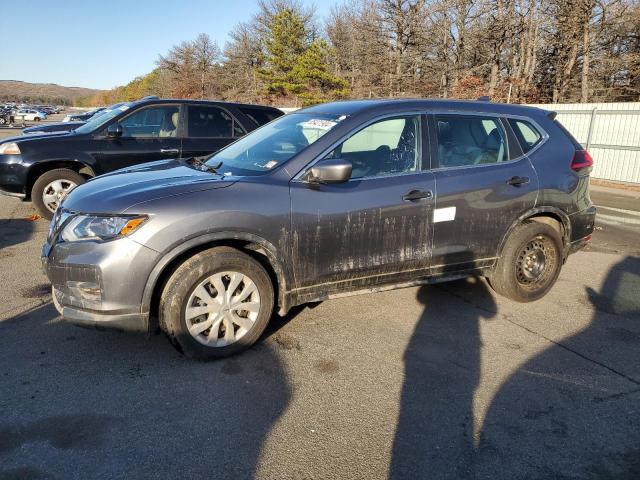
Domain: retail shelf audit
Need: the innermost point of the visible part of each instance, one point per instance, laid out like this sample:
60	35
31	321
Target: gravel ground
446	381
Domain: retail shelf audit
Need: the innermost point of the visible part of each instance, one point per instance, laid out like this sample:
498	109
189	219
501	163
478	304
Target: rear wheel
3	120
217	303
51	187
530	263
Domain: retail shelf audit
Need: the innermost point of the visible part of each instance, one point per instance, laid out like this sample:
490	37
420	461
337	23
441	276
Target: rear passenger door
483	184
209	128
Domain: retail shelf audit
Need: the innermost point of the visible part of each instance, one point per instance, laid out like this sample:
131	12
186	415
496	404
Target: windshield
101	118
272	145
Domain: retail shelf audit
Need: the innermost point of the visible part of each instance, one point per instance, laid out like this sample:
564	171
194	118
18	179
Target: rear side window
212	122
260	115
528	136
469	140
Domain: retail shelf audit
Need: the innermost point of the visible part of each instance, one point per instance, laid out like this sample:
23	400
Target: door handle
517	181
415	195
169	150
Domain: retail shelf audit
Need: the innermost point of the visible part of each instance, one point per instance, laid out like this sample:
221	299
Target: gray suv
333	200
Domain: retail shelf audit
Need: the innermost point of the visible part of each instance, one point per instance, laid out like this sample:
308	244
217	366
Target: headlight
9	148
93	227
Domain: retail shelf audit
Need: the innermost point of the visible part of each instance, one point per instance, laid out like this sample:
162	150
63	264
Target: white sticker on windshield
270	164
319	124
124	107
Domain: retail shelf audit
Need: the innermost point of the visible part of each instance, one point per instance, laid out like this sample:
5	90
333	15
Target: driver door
375	228
148	134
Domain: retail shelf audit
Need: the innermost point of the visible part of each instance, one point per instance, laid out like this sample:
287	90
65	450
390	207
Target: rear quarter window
527	134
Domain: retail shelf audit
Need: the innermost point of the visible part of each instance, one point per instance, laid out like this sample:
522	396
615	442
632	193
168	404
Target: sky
103	44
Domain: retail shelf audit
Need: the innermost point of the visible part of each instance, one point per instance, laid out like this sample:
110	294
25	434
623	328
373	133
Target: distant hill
14	90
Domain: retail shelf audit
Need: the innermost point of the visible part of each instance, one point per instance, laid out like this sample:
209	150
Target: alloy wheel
55	191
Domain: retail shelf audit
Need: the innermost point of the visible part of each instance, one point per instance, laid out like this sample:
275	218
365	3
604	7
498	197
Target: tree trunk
584	81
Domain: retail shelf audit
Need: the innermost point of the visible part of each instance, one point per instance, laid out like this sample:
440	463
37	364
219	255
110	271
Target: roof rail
150	97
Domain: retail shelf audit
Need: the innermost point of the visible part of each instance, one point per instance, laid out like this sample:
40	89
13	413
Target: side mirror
330	171
114	130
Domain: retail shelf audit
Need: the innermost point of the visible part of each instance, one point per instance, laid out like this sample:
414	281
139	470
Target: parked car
30	114
82	116
67	126
328	201
6	116
45	167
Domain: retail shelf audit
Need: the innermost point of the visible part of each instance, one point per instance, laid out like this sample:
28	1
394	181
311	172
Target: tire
183	290
36	119
530	263
3	120
66	176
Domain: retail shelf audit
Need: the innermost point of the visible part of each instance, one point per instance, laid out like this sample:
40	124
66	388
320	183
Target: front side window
469	140
212	122
386	147
526	133
273	144
153	122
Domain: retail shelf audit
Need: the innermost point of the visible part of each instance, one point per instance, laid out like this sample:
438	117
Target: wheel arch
39	168
255	246
551	216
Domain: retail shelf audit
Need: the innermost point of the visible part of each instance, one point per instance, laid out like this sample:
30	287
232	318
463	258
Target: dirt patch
327	366
287	342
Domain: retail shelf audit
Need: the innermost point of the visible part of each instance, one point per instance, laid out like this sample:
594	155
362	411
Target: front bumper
100	283
13	175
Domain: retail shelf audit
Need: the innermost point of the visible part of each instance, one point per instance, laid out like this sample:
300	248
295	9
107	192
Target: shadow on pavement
81	403
573	411
14	231
570	412
434	435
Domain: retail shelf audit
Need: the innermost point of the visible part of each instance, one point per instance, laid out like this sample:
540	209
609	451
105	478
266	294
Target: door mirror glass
330	171
114	130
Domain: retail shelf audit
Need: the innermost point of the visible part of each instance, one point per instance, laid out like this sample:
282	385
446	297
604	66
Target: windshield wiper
197	161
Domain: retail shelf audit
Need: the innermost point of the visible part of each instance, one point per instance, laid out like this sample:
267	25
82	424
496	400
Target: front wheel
51	187
217	303
530	263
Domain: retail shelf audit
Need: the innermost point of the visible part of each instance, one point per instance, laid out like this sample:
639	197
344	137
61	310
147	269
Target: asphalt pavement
445	381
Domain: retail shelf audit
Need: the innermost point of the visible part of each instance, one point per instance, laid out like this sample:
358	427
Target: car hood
117	191
58	127
32	137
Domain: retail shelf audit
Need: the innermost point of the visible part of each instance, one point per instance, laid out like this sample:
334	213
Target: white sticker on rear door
444	214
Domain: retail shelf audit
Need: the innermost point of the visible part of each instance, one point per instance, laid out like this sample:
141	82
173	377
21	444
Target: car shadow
134	403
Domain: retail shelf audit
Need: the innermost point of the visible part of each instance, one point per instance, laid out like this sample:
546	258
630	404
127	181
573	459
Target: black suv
45	167
332	200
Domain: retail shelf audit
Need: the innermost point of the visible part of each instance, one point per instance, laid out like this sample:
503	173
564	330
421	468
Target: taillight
581	159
